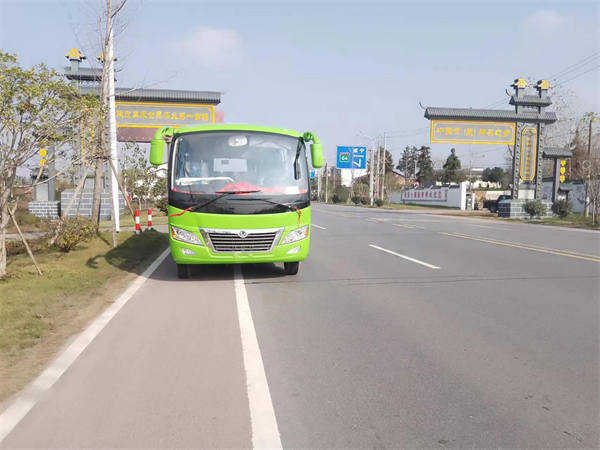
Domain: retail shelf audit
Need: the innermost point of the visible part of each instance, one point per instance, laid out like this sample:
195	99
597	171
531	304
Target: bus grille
224	241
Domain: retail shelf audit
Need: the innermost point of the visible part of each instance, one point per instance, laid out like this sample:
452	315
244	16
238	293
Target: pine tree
452	168
425	164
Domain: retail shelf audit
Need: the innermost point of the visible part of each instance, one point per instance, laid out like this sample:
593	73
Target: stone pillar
516	177
539	171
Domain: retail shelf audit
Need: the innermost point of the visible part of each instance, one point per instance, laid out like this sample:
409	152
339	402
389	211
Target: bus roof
235	127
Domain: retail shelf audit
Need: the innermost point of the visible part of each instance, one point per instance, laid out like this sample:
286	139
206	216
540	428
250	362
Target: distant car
493	205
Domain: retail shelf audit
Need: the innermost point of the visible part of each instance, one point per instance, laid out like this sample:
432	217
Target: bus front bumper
184	253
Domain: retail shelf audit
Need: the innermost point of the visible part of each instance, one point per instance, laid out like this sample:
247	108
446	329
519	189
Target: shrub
365	200
379	202
355	199
562	208
15	246
73	231
161	204
24	218
341	194
535	208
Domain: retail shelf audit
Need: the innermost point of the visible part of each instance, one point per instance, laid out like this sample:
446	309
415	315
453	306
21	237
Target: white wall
453	197
347	175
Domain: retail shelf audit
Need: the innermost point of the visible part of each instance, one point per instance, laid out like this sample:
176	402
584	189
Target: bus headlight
182	235
296	235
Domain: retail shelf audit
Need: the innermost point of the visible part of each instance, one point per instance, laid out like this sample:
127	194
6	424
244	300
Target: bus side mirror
316	154
157	151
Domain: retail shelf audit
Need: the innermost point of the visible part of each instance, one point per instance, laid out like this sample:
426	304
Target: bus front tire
183	270
291	268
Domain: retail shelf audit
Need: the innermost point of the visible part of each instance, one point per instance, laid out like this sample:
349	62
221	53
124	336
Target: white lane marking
265	432
318	226
408	258
30	396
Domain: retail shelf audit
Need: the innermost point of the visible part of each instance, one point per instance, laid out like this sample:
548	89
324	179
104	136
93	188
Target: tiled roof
83	73
488	114
532	100
171	95
557	152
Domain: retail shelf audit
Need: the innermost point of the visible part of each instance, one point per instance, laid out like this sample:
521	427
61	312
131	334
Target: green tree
493	175
425	164
37	108
408	162
389	161
452	173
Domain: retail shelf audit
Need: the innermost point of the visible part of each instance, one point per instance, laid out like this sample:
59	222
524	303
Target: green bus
237	194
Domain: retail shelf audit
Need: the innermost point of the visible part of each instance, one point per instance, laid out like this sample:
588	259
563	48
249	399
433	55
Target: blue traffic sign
351	157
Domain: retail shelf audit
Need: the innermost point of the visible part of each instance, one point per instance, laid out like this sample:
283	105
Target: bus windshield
220	161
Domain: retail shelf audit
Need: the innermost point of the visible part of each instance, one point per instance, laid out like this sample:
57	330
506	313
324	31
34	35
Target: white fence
454	196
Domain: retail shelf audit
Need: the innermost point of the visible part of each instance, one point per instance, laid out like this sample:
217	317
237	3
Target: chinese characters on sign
351	157
467	132
434	195
139	114
528	153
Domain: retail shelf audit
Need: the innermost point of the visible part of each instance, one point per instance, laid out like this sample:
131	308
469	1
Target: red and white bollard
137	222
149	218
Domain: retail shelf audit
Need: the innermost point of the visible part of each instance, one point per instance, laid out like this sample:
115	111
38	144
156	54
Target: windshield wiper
286	206
221	195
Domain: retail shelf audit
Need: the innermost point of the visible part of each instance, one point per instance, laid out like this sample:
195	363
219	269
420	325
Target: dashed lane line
412	227
567	253
408	258
318	226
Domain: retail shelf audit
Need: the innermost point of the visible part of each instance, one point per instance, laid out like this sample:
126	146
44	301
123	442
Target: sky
343	70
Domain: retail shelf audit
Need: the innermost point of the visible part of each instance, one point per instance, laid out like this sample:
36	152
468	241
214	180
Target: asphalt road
402	329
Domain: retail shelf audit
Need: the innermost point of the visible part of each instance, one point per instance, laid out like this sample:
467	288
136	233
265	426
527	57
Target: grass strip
38	314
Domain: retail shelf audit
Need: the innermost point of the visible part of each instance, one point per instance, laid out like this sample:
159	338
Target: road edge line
265	432
408	258
27	399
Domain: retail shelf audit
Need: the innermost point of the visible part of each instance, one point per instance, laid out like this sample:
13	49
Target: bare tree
594	197
103	148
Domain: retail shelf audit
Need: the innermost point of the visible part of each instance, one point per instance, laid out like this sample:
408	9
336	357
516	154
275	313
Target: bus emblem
242	234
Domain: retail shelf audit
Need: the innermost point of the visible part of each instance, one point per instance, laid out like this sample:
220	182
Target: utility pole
326	183
319	175
351	172
112	124
586	210
371	159
415	174
383	158
376	190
